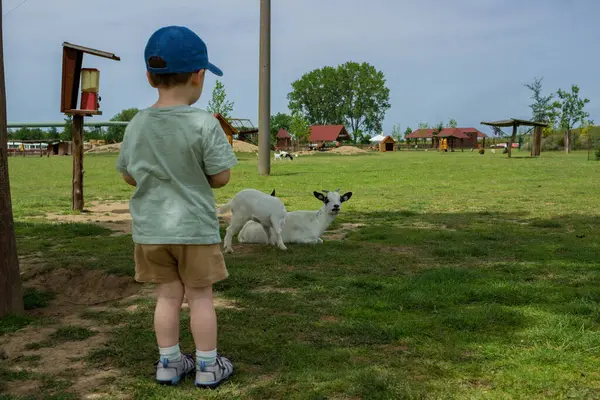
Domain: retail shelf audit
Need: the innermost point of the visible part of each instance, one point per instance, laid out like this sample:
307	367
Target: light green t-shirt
169	152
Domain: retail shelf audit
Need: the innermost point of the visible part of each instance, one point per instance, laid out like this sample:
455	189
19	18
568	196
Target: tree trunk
11	295
568	141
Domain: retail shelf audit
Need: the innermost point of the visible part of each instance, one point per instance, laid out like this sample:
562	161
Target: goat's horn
337	190
325	191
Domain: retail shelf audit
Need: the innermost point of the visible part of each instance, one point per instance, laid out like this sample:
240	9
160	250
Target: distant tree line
111	134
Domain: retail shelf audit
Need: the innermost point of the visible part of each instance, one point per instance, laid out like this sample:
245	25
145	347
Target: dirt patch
271	289
347	150
244	147
113	215
64	359
329	318
341	232
81	287
107	148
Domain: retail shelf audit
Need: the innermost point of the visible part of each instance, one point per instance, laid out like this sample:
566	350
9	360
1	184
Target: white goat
301	226
283	154
268	212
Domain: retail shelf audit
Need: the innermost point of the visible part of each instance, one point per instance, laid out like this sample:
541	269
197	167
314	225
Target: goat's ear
319	196
273	193
346	197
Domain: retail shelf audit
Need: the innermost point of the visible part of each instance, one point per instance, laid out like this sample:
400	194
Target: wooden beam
512	139
68	80
83	49
77	194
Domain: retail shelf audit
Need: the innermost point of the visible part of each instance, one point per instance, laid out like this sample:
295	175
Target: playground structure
536	145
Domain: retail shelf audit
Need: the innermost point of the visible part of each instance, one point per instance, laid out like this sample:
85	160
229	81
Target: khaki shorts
195	265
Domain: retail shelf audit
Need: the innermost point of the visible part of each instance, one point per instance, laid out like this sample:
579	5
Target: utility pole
11	296
264	91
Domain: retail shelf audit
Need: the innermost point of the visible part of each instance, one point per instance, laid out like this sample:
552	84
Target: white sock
209	357
173	353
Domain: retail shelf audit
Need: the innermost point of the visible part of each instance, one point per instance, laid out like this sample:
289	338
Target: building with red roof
283	140
328	133
461	138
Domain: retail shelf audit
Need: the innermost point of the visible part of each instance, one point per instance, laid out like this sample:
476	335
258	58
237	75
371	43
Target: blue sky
462	59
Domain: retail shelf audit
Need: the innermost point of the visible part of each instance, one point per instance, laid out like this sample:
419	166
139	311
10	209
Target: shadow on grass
421	303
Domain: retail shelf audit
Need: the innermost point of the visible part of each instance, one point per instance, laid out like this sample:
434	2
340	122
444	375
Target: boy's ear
149	80
198	77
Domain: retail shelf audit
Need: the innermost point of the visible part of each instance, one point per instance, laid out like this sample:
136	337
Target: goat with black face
301	226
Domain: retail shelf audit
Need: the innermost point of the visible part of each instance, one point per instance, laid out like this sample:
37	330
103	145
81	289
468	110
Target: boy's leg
156	264
200	267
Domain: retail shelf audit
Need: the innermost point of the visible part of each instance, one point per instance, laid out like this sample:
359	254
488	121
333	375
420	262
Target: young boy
174	154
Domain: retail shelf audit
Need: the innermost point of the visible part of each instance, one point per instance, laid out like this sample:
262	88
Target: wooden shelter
283	140
227	128
536	145
387	144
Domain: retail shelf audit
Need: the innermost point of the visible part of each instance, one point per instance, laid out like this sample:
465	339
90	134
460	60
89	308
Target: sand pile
347	150
244	147
238	145
107	148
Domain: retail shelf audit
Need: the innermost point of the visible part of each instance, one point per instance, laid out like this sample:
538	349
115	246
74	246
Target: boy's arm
219	180
217	157
122	165
129	179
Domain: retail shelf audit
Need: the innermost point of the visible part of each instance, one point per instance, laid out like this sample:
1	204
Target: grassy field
459	276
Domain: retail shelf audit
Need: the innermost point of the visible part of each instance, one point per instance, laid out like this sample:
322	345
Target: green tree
67	133
571	111
219	104
407	132
53	133
542	108
396	133
315	95
423	125
279	121
300	127
438	129
114	134
452	123
95	133
365	96
351	94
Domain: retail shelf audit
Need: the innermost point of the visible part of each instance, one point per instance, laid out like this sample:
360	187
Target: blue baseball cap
181	49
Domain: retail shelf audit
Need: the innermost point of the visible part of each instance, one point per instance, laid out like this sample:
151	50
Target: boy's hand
129	180
219	180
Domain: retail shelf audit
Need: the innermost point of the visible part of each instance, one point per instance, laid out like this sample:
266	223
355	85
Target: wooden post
512	140
536	146
77	162
11	294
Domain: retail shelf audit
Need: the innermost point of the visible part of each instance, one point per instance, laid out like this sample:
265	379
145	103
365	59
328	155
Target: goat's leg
234	227
267	229
277	226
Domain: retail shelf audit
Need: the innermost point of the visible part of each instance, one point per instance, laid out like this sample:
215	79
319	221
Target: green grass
472	277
